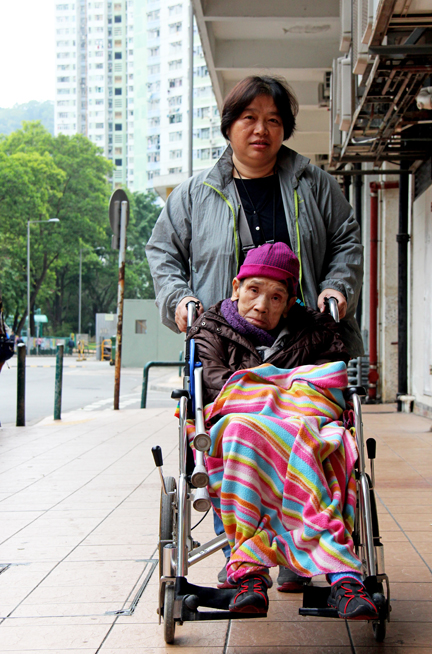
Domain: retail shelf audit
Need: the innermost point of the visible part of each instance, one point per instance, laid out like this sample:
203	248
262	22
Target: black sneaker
351	600
290	582
251	596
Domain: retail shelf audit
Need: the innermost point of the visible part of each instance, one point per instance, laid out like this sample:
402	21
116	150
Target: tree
43	177
73	187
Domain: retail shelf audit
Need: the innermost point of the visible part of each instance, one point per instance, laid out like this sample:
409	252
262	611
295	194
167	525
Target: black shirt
261	191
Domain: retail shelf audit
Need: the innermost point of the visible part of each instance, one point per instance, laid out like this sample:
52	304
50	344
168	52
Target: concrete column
388	293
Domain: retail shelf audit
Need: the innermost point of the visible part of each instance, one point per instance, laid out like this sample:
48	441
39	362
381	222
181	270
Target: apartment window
202	112
153	70
175	154
63	55
174	10
62	7
155	121
175	101
174	28
63	44
201	71
176	63
198	51
99	66
99	101
117	19
216	152
118	114
99	125
118	127
153	157
63	79
63	91
118	162
140	326
175	82
62	114
154	52
117	6
153	33
173	171
153	140
118	79
117	55
153	173
175	118
118	43
117	91
175	46
175	136
153	15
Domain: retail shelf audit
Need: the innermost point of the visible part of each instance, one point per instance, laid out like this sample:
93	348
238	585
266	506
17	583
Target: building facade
122	80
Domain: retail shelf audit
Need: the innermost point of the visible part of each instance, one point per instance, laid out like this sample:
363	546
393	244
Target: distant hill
11	119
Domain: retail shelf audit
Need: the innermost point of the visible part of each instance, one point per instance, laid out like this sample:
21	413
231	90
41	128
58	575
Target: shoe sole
355	616
248	609
290	587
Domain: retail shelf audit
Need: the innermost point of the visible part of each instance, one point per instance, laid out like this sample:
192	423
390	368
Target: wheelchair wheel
168	614
379	630
166	524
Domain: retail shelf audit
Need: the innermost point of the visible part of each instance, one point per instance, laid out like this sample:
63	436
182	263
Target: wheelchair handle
333	308
157	456
192	309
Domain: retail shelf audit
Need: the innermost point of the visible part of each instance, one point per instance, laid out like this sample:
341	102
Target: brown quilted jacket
312	338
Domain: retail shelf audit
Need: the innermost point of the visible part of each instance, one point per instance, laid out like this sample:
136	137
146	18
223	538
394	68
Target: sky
27	51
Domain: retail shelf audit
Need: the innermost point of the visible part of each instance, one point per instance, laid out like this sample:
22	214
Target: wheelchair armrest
180	392
351	390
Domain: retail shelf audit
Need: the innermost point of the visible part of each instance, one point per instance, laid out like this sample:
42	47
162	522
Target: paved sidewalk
79	510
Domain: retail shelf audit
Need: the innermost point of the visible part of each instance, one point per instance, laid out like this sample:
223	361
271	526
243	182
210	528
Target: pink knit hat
273	260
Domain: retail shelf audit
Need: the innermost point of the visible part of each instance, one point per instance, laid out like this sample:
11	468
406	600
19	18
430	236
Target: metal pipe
402	240
373	376
207	549
182	527
20	417
79	291
120	302
191	49
28	283
58	383
148	365
373	293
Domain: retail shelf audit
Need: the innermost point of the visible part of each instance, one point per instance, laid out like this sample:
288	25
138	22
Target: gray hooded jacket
195	245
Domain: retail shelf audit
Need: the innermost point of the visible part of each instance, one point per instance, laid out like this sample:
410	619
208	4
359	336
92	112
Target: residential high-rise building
123	81
95	86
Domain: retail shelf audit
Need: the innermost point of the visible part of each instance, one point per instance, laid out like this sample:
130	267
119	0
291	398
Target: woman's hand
181	312
339	297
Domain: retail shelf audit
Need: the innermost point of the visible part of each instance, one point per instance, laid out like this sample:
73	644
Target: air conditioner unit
335	133
368	13
345	19
346	94
359	49
324	91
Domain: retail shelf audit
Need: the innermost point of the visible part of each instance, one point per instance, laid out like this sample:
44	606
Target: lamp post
50	220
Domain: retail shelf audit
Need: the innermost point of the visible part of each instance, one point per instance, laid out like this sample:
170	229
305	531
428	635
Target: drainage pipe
402	240
373	376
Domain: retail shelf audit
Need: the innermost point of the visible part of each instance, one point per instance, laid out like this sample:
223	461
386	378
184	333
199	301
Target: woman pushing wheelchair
282	456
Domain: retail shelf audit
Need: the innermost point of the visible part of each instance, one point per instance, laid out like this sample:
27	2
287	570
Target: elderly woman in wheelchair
281	462
280	457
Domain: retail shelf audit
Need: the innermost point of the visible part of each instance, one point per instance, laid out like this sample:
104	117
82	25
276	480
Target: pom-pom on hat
273	260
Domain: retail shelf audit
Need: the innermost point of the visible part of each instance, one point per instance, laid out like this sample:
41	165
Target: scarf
258	336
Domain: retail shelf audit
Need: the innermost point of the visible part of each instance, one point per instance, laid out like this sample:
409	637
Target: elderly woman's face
262	301
257	135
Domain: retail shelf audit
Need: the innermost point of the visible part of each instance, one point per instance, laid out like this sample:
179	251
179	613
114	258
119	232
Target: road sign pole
120	298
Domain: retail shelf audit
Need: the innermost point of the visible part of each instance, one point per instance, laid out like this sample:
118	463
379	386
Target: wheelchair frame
179	600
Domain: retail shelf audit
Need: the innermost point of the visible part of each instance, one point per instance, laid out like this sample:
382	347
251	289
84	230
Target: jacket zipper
236	243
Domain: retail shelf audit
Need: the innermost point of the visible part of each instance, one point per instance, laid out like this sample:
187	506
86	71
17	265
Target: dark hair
248	89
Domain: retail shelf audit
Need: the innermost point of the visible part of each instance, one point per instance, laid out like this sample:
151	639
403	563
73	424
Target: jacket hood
289	161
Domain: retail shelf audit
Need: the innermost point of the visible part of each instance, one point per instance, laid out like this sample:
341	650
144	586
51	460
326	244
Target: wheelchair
181	601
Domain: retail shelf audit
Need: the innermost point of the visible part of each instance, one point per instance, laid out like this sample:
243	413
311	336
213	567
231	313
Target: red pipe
373	286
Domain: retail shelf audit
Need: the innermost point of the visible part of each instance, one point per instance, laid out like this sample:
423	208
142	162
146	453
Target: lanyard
256	213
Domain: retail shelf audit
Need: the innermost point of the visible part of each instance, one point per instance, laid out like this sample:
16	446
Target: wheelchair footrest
315	602
193	597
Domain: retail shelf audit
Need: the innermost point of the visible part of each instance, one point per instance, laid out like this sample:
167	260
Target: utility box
106	328
145	338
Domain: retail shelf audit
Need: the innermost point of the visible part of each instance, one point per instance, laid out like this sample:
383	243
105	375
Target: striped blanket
281	470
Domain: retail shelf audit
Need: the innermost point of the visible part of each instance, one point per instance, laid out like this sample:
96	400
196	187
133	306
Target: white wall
421	293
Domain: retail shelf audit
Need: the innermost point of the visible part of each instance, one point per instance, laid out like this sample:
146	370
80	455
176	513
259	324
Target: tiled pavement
79	505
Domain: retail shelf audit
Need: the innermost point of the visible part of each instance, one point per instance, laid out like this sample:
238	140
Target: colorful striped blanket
281	468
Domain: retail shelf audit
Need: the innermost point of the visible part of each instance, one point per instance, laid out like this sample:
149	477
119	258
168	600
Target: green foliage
11	119
43	177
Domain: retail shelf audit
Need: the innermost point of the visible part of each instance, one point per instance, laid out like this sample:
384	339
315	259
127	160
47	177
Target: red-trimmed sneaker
251	596
351	600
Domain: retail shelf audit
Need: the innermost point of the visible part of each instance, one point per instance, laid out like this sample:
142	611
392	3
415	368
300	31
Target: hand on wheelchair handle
339	297
181	312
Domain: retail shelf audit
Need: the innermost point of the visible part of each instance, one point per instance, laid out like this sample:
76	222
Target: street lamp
50	220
